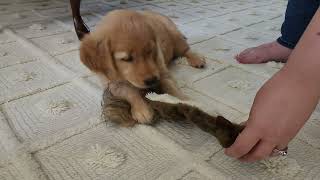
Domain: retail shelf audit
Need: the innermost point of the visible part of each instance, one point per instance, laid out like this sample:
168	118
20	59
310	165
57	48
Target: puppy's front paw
197	61
142	113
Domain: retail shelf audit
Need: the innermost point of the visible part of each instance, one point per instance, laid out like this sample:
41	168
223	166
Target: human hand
280	109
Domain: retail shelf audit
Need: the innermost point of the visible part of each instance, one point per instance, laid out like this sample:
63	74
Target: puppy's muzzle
151	82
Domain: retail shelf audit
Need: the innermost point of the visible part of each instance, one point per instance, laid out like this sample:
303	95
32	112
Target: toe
251	56
241	57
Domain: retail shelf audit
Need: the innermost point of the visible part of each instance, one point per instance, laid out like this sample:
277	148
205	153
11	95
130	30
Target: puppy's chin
144	87
137	85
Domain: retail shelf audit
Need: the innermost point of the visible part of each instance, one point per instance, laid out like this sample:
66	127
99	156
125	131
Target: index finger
245	141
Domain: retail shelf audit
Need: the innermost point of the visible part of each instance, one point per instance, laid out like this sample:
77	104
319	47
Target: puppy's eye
149	52
127	59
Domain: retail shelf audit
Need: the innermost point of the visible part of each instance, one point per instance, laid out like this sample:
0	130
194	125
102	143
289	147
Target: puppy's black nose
151	81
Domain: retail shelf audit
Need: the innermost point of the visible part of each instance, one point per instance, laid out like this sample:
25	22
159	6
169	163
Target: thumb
245	141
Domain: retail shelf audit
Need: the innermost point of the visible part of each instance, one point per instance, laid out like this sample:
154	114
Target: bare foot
264	53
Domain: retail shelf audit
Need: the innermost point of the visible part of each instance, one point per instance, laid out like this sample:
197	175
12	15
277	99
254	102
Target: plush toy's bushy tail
226	132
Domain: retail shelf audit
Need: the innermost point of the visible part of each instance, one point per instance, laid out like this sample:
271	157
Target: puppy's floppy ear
160	58
96	55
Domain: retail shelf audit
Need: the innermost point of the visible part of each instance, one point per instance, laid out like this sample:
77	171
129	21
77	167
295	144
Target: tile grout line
53	139
50	61
40	90
19	63
20	152
231	107
208	73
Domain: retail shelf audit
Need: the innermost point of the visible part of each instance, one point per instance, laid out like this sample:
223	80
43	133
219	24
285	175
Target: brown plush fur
129	48
118	111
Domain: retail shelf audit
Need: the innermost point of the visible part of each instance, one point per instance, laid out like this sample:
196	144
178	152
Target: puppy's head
123	47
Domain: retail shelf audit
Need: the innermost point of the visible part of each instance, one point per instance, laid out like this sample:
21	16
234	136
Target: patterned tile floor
50	126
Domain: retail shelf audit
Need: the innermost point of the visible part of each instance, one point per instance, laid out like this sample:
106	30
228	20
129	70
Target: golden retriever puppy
131	51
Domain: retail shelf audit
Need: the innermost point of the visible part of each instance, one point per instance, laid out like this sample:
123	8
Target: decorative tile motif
115	154
52	111
99	158
24	79
14	53
58	44
39	29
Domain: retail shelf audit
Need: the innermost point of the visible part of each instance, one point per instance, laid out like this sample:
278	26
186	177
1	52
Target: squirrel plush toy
167	107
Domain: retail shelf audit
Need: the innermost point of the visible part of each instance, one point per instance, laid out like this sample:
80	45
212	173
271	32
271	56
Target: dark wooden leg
80	27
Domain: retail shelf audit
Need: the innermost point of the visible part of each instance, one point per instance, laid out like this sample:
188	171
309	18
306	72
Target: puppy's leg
194	59
140	110
169	86
182	49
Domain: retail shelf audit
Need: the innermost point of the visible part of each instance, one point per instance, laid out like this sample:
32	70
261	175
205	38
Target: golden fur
131	51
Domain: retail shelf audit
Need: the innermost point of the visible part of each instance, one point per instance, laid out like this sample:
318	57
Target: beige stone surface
50	125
